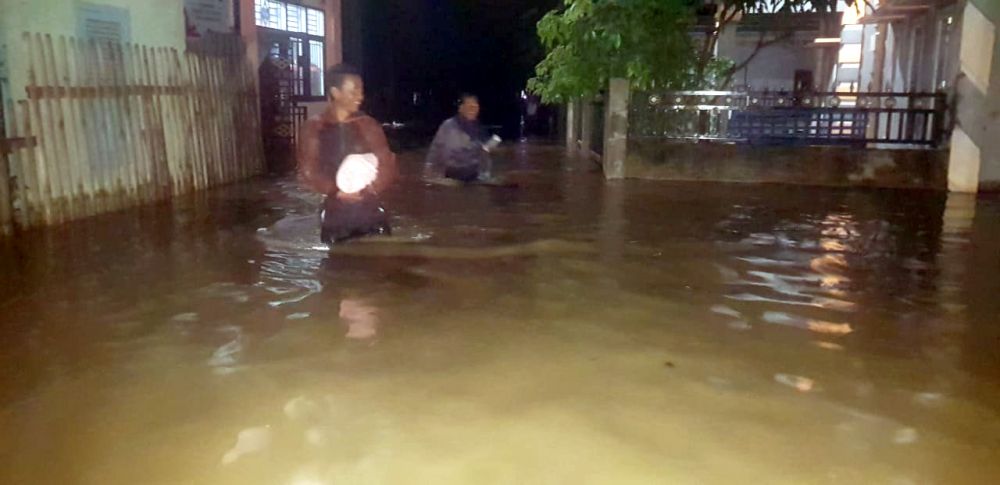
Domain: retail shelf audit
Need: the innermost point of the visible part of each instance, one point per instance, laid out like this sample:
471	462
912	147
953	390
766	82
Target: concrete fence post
616	129
572	113
586	124
974	162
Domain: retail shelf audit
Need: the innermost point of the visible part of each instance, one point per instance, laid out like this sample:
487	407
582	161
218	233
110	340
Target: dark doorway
281	79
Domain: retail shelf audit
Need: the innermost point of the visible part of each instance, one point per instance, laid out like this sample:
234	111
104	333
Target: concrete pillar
616	129
572	112
586	125
974	163
334	33
248	31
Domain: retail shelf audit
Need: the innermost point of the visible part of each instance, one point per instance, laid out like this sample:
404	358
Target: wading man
460	150
343	154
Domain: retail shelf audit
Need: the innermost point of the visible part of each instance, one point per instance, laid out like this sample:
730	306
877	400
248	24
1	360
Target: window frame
306	38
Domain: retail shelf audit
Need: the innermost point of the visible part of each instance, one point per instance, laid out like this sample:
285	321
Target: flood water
566	331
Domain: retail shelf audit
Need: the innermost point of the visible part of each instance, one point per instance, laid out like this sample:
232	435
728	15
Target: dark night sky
444	47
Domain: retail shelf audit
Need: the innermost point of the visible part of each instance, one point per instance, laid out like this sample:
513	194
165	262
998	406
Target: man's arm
435	162
310	174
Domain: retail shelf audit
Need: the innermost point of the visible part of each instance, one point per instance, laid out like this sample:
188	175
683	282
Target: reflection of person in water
349	279
344	155
361	318
460	147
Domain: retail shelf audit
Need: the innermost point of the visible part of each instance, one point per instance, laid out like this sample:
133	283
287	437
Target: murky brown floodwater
567	332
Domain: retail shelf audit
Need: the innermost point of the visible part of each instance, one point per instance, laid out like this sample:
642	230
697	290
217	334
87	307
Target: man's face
469	109
349	95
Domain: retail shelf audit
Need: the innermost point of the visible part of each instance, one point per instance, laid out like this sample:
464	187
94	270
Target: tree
652	43
590	41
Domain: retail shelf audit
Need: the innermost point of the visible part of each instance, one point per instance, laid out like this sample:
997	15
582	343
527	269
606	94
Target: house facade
307	32
947	46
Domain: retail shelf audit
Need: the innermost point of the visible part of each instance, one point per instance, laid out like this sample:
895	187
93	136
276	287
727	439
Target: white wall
774	66
158	23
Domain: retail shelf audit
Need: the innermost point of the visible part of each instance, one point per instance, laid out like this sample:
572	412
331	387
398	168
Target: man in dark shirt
459	148
340	132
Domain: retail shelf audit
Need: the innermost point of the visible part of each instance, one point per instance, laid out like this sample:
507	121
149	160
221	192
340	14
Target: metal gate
281	117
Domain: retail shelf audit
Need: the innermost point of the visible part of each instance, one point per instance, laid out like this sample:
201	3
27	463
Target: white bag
357	172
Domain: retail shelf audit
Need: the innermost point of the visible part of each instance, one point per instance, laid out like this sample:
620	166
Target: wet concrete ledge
821	166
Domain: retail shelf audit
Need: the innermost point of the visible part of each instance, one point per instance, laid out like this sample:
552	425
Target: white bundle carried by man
357	172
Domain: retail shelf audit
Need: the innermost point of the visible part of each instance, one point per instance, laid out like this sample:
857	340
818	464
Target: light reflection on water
569	331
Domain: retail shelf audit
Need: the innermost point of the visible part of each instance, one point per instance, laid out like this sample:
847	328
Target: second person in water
460	149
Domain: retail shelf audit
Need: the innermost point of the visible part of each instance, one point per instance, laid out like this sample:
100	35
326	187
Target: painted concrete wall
774	67
157	23
820	166
975	156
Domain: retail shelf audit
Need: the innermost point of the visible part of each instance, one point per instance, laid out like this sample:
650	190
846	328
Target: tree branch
712	39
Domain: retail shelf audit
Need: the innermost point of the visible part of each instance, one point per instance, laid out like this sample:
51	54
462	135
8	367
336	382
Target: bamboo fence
107	126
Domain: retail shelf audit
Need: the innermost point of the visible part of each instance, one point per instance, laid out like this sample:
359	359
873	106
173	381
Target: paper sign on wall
204	16
103	22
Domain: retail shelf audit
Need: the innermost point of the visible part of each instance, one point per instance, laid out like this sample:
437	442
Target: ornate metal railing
782	118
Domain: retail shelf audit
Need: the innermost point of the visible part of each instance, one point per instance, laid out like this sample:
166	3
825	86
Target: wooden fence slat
135	160
157	141
18	165
50	126
181	146
215	123
47	127
207	121
6	197
94	128
6	211
185	120
59	78
39	127
141	121
130	162
226	125
137	156
171	132
218	102
153	61
80	161
199	118
107	112
251	103
59	165
37	212
182	67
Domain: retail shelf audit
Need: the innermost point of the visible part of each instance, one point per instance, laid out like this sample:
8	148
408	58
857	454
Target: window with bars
298	32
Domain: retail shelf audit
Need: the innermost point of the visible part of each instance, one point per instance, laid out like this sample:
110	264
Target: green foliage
590	41
648	42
